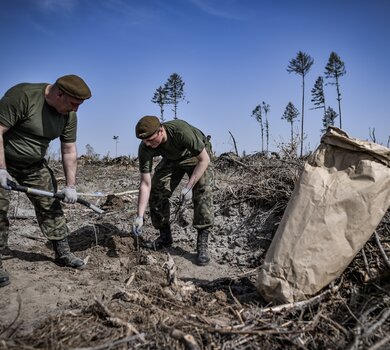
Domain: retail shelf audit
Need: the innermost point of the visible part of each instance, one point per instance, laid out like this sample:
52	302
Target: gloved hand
186	194
70	194
137	225
4	177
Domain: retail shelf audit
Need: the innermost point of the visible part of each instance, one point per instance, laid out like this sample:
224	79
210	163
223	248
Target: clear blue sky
231	54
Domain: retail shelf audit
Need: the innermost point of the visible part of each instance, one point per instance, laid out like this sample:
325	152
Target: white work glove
70	194
186	194
137	225
4	177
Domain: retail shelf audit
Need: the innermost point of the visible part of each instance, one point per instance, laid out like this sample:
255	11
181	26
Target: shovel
15	187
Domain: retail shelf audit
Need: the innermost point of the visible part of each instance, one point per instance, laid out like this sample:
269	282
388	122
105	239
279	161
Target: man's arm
204	161
69	162
4	175
144	193
3	130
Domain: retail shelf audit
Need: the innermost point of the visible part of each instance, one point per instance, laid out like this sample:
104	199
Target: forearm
143	199
69	163
144	194
197	173
3	164
204	161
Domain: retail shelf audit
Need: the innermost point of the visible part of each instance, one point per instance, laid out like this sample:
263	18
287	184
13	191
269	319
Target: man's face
154	140
67	103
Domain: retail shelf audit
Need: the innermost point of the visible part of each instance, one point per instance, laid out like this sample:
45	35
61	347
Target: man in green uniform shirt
32	115
184	150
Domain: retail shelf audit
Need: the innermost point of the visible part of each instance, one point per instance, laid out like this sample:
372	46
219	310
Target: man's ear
58	92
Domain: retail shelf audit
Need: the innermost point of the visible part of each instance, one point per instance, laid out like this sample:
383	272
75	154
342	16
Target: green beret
147	126
74	86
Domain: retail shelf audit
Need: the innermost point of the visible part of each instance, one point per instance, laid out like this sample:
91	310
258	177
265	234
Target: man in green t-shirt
31	116
184	150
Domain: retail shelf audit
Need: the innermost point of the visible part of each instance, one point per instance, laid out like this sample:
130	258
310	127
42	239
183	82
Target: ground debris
120	301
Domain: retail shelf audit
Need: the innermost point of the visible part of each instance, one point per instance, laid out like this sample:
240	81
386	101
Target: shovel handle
14	186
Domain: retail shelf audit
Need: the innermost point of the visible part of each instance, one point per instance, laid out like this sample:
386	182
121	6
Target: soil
131	297
40	289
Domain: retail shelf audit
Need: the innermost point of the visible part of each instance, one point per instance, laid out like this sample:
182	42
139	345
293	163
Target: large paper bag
340	198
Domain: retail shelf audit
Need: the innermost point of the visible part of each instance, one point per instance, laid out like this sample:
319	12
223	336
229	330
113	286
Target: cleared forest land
129	297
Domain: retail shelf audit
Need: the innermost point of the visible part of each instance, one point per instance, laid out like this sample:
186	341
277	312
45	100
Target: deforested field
131	298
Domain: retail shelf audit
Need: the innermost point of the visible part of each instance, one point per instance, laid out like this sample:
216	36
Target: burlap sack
340	198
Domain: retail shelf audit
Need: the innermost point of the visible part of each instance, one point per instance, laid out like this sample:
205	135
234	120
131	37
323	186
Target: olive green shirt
32	124
183	141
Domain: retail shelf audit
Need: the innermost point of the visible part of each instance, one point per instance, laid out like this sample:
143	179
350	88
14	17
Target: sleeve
69	133
13	107
145	159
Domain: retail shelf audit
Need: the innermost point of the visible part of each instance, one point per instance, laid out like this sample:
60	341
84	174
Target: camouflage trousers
48	210
167	176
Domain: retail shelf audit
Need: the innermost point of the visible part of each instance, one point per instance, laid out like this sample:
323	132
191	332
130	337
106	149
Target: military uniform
30	120
33	124
180	149
184	143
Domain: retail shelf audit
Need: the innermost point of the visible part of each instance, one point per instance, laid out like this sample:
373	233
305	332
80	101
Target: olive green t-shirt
32	124
183	141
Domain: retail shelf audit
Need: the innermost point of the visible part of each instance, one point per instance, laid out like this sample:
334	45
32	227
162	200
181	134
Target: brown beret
147	126
74	86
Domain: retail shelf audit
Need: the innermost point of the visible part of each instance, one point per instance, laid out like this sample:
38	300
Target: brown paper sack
339	200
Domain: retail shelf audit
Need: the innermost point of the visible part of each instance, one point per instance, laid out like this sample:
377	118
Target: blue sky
231	54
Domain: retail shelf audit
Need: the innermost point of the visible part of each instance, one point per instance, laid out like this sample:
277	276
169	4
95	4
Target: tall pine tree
175	91
318	95
335	69
266	108
301	65
329	118
290	114
160	97
256	113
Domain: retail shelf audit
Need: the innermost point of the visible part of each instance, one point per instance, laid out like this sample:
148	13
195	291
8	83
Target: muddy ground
129	297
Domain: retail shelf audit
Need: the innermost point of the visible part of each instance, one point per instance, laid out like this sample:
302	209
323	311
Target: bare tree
372	134
234	143
160	97
335	69
301	65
